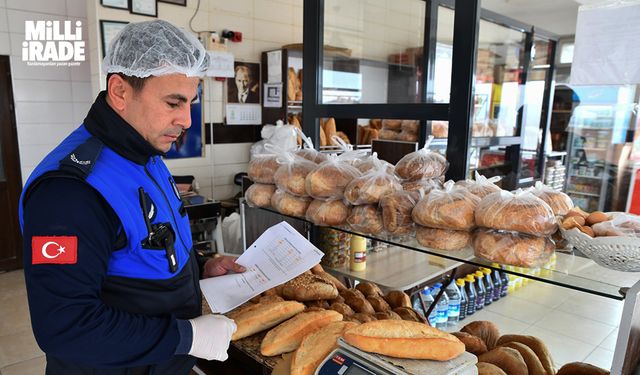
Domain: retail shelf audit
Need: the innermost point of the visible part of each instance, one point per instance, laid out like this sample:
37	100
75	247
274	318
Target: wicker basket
618	253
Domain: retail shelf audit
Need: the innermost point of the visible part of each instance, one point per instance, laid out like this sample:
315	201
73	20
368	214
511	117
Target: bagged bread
331	177
404	339
262	168
291	174
316	346
370	187
559	202
442	239
289	204
329	213
396	211
512	248
421	164
520	211
372	162
410	126
481	186
259	317
259	195
451	208
287	336
365	219
425	185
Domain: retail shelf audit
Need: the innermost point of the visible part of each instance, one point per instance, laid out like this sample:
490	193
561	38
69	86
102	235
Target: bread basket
620	253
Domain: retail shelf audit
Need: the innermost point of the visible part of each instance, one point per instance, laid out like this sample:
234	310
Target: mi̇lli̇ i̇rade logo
53	43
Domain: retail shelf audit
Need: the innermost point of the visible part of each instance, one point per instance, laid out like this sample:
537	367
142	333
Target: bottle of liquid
488	286
453	294
470	289
428	301
442	306
480	291
463	298
417	305
505	282
497	283
358	253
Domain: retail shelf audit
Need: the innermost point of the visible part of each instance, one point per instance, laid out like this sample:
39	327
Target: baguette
316	346
259	317
287	336
536	345
404	339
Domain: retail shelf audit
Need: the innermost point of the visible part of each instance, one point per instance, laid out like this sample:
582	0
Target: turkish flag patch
54	250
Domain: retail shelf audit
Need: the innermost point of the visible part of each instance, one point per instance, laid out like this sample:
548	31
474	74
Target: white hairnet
155	48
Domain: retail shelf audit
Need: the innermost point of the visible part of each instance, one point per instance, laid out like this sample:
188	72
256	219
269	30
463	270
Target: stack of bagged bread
514	229
262	168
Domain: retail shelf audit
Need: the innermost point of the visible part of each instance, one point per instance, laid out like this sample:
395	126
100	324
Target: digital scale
349	360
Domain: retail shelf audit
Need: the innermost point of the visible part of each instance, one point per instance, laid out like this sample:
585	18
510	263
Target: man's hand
211	336
220	265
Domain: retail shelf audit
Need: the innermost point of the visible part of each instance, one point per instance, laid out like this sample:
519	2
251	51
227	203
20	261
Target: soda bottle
480	290
442	306
488	287
470	289
463	298
494	275
505	282
453	314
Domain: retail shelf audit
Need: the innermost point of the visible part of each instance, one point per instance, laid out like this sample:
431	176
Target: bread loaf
473	344
385	133
404	339
442	239
270	299
365	219
507	359
263	316
421	164
369	289
337	283
329	126
291	176
262	168
364	317
378	303
332	212
351	293
408	313
312	155
451	208
289	204
360	305
518	212
287	336
410	126
512	248
330	179
397	298
485	330
559	202
342	308
320	303
392	124
485	368
396	212
259	195
579	368
316	346
425	185
292	84
534	344
388	315
308	287
369	188
534	366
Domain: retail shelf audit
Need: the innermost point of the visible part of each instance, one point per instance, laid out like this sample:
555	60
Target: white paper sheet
221	64
244	114
277	256
274	66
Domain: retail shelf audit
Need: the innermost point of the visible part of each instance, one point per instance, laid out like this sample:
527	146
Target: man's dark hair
136	83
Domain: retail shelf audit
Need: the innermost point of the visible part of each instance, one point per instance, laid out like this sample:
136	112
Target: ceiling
556	16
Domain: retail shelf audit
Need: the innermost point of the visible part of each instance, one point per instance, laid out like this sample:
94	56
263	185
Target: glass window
372	52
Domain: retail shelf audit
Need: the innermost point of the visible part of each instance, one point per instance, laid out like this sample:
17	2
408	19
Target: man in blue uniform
111	276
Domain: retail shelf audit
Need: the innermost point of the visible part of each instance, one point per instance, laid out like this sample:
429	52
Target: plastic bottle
442	306
428	301
417	305
464	300
505	282
480	291
358	253
488	287
453	294
470	289
496	281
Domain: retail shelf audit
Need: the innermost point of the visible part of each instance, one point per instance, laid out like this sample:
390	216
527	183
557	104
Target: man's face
161	111
242	80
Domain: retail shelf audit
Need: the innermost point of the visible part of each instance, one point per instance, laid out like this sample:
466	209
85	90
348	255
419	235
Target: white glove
211	336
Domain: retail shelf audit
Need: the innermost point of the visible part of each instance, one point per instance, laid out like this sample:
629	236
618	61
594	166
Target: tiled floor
575	326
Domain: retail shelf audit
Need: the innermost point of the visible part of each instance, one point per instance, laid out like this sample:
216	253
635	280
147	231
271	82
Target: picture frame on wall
108	30
144	7
117	4
175	2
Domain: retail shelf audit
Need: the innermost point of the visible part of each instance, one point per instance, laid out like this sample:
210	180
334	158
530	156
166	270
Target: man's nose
184	118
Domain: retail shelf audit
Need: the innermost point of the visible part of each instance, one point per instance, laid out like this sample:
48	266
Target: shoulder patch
54	250
81	160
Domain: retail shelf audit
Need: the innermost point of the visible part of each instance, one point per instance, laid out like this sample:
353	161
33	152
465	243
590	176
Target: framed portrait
244	88
175	2
144	7
108	31
118	4
189	144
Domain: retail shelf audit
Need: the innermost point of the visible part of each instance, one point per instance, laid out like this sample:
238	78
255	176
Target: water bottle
417	305
497	283
470	290
453	294
488	286
504	279
480	291
463	298
428	301
442	306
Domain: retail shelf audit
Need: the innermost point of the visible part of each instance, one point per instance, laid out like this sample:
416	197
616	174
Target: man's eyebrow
181	98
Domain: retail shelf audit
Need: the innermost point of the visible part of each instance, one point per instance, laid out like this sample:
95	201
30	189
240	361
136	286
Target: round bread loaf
518	212
262	168
509	360
351	293
368	189
559	202
330	179
259	195
512	248
397	298
365	219
534	366
442	239
369	289
291	176
288	204
360	305
485	368
378	303
387	315
333	212
396	212
308	287
421	164
451	208
485	330
472	344
342	308
580	368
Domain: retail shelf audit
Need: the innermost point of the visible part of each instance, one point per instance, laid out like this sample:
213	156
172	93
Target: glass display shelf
570	269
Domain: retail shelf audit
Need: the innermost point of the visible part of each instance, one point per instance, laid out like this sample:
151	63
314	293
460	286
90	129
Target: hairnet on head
155	48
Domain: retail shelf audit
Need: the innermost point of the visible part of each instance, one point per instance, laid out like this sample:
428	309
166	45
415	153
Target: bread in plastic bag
622	224
410	126
452	207
370	187
425	185
262	168
481	186
288	204
511	248
259	195
442	239
421	164
372	161
365	219
559	202
281	136
396	211
308	151
330	178
328	212
292	173
520	211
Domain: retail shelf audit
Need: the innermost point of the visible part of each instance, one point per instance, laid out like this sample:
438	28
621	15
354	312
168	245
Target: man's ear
118	91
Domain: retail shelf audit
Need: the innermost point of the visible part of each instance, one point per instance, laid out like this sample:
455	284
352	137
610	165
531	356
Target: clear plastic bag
520	211
308	151
259	195
422	164
283	137
511	248
396	211
292	173
372	161
288	204
262	168
331	177
442	239
481	186
425	185
559	202
622	224
370	187
365	219
450	208
328	213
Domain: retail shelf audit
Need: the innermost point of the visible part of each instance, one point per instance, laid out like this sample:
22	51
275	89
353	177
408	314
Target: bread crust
396	212
473	344
262	169
289	204
333	212
538	347
309	287
442	239
485	330
316	346
512	248
259	317
259	194
509	360
524	213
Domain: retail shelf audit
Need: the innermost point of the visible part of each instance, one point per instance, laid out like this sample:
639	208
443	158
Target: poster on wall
189	144
243	95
